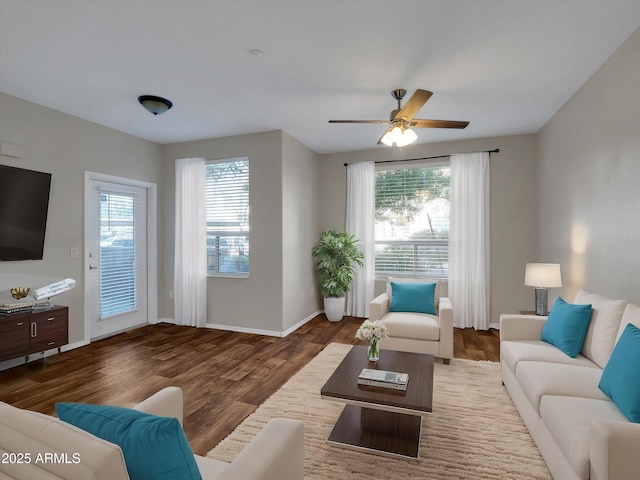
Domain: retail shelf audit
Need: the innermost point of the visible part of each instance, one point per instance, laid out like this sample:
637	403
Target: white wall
589	155
66	146
514	227
300	232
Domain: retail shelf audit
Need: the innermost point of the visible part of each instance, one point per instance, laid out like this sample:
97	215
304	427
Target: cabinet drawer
48	330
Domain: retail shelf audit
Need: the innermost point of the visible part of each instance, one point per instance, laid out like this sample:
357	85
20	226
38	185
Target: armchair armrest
614	450
275	453
378	307
521	327
165	403
445	317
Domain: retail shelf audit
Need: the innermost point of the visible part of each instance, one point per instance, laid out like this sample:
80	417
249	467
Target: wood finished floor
225	375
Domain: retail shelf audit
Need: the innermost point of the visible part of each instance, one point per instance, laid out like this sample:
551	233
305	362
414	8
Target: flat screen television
24	204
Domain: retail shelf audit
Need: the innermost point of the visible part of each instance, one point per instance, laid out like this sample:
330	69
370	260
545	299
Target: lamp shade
543	275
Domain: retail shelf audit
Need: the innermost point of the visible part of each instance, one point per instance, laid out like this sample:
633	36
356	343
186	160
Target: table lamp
542	276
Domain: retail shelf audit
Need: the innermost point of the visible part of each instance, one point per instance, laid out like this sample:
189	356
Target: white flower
369	330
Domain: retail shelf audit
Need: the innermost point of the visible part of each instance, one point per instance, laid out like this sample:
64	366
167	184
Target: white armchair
417	332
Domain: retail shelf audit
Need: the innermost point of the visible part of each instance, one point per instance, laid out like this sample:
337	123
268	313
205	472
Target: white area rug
474	433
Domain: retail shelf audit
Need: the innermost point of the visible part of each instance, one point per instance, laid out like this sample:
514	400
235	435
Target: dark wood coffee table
377	419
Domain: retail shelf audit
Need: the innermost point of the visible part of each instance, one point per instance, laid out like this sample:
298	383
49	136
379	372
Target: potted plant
336	256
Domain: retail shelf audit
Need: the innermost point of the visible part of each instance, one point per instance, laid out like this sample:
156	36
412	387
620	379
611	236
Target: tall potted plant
336	256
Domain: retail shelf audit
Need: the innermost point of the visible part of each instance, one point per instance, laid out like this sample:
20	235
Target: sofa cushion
418	326
513	352
23	431
154	447
567	326
631	315
603	329
621	377
542	378
209	467
568	420
413	297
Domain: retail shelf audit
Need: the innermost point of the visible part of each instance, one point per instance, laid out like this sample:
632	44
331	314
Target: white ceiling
505	65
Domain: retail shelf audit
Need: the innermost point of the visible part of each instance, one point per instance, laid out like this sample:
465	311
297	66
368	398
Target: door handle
93	267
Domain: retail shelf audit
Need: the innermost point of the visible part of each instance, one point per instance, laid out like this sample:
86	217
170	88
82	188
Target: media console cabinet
24	333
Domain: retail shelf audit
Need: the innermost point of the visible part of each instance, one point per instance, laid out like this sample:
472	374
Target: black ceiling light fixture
155	105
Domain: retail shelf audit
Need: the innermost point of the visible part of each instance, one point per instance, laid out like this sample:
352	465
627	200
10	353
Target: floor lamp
542	276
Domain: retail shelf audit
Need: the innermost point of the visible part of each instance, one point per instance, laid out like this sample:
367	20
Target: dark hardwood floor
225	375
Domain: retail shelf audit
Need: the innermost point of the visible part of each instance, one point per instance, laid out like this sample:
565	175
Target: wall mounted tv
24	204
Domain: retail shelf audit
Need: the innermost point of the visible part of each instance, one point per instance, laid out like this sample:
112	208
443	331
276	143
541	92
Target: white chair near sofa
275	453
416	331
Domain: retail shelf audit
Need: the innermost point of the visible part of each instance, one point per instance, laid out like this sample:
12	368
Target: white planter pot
334	308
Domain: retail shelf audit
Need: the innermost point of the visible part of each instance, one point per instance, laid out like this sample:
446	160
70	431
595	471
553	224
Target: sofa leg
446	361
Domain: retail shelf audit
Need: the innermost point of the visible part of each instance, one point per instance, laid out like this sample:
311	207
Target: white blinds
118	253
412	221
227	210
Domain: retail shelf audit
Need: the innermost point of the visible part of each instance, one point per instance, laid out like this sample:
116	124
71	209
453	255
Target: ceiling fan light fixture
154	105
393	135
400	136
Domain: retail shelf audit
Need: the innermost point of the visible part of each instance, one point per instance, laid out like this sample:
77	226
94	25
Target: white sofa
276	453
417	332
579	431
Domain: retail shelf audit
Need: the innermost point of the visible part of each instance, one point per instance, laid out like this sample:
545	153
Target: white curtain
361	187
469	240
190	277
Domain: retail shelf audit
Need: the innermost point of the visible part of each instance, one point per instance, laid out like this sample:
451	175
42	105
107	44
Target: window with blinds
227	207
118	258
412	221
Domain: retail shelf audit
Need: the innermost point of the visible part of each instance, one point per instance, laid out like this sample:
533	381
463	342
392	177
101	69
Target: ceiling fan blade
415	103
438	124
360	121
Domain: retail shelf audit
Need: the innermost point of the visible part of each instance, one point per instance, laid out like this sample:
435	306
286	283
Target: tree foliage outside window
412	221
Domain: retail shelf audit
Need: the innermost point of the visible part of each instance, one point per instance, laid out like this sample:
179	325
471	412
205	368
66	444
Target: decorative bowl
20	292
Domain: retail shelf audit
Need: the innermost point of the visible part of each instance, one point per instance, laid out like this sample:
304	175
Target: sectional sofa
35	446
581	433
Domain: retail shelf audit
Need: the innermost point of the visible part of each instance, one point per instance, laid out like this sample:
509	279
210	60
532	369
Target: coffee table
377	419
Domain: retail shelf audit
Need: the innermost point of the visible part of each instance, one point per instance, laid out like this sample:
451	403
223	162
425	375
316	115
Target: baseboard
253	331
233	328
494	325
301	323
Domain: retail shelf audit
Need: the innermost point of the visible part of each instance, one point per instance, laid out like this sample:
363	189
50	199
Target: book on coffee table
382	378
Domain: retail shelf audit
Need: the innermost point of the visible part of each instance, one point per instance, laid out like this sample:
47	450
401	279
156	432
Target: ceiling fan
401	119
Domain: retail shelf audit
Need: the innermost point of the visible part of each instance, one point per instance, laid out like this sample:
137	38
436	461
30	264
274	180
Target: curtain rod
495	150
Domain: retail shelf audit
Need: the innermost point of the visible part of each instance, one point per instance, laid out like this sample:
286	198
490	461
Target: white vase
334	308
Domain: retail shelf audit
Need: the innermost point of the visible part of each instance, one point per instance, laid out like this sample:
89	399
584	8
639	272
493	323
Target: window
227	207
412	221
118	259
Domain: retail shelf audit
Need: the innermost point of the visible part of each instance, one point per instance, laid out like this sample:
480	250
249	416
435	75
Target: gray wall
276	295
514	240
66	146
300	232
589	157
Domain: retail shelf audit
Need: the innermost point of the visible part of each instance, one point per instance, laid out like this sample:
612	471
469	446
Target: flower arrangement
372	332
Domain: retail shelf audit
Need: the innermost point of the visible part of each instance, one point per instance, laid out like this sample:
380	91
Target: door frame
152	245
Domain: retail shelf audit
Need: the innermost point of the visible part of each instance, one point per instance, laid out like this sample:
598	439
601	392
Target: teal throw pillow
620	378
154	447
413	297
567	326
